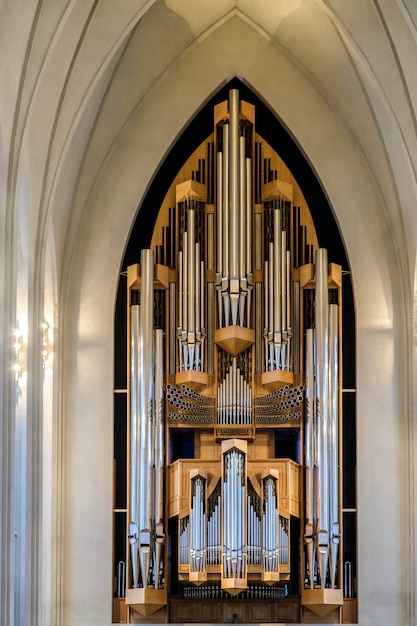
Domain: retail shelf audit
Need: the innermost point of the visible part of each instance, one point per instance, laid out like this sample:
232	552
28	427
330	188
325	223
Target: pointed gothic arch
327	235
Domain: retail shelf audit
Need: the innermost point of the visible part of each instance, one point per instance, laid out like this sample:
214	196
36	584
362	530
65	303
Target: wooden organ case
234	396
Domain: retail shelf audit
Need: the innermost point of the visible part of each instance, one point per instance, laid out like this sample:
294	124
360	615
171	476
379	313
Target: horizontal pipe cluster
189	406
280	406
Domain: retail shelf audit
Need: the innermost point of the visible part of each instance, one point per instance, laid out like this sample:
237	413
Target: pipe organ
235	341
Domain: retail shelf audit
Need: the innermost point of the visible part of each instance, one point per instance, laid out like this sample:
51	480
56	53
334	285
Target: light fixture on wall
46	344
18	353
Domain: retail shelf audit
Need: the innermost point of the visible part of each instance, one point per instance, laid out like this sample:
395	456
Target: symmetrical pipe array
234	218
191	302
236	523
321	435
234	398
146	534
277	290
234	518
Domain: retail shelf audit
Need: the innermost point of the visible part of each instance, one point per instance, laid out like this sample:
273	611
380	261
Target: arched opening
309	225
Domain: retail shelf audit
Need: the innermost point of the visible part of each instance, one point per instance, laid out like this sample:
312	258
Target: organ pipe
322	410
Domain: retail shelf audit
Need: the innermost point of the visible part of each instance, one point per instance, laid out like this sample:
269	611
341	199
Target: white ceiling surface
87	67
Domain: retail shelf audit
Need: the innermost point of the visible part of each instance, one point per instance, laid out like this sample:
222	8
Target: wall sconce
46	344
18	349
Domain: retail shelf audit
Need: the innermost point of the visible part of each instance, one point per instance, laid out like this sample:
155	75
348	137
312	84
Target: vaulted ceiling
81	80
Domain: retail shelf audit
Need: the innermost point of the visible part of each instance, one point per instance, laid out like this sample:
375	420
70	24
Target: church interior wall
368	173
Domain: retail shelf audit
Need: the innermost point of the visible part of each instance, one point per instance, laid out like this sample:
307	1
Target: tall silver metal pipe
220	243
134	441
309	533
288	298
158	456
234	171
234	278
191	269
322	410
225	205
185	288
180	315
248	219
277	309
141	425
333	442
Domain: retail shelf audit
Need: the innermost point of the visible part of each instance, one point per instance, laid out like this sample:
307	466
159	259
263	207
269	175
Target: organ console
235	336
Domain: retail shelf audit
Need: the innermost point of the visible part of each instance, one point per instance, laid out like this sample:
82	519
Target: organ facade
234	410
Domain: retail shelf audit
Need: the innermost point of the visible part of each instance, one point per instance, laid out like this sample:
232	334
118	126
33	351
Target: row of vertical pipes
198	542
234	218
270	557
234	519
250	534
234	398
277	292
191	300
322	534
146	534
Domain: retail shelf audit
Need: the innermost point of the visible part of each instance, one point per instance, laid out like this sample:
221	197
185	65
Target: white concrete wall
103	94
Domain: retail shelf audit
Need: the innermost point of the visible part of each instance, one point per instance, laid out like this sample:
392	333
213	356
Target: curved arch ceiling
331	49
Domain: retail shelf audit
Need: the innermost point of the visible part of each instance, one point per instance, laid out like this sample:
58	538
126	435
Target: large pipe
234	170
322	412
191	270
185	288
333	442
134	441
309	534
277	286
145	486
158	461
